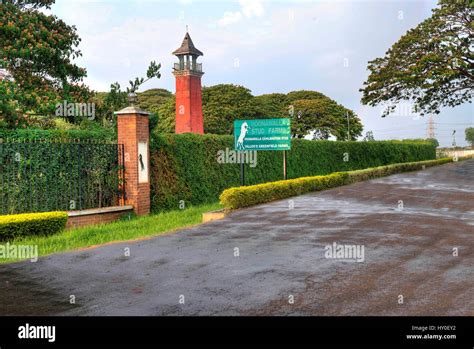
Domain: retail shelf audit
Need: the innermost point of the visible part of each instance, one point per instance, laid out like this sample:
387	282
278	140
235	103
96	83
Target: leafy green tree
116	99
166	115
271	106
369	136
324	117
302	94
310	111
37	51
151	100
434	141
108	103
432	65
224	103
470	135
153	71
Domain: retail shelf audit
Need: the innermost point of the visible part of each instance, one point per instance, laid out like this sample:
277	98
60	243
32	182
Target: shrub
184	167
234	198
49	176
72	134
28	224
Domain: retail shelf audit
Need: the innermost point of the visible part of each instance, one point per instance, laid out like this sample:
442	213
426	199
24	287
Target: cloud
252	8
248	9
230	18
280	46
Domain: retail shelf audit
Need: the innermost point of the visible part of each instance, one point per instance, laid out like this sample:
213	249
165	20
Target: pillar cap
131	110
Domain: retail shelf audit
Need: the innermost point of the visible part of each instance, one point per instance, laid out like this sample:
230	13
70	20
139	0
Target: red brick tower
188	88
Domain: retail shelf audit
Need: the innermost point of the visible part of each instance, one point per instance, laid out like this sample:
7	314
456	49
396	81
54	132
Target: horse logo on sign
243	132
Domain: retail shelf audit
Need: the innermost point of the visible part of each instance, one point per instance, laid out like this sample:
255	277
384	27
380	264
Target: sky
265	45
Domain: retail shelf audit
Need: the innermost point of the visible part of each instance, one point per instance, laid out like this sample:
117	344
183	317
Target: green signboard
262	134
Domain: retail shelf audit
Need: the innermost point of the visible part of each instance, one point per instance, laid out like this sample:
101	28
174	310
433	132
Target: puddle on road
21	296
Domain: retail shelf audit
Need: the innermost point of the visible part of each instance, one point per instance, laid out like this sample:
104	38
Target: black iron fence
39	176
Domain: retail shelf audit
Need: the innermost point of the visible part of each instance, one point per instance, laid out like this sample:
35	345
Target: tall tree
271	105
166	115
431	66
37	50
116	99
224	103
470	135
324	117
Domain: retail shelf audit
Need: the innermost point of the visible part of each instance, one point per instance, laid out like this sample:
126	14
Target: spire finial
186	28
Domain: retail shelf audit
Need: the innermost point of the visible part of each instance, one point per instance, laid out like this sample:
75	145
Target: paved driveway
281	257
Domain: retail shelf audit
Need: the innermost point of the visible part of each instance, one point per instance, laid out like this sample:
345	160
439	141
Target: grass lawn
136	228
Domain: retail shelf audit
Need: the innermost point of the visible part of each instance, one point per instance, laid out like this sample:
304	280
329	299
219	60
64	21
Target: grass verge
140	227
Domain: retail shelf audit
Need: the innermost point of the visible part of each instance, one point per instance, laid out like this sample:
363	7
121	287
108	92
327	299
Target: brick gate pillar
133	133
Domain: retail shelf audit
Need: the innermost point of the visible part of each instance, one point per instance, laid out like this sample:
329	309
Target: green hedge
47	170
240	197
28	224
37	134
184	167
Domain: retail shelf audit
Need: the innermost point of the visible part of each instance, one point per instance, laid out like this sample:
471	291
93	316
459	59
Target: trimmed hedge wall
28	224
37	134
46	170
240	197
184	167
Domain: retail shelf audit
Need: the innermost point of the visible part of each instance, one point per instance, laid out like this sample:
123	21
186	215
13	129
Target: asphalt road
408	251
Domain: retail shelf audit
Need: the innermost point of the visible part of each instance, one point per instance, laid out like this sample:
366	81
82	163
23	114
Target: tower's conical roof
187	48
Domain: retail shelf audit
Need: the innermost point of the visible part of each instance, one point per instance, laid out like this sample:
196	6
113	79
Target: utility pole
454	138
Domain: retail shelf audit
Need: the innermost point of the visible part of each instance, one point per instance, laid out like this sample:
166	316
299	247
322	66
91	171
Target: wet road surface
271	259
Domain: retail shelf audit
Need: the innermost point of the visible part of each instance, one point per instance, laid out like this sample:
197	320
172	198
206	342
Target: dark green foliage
326	118
303	94
37	134
38	51
29	224
272	106
153	121
224	103
184	167
166	115
470	135
434	141
44	171
151	100
431	66
109	102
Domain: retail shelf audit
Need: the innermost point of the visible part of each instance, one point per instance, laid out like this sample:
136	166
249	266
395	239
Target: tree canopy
470	135
310	111
324	117
37	51
222	104
431	66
